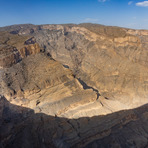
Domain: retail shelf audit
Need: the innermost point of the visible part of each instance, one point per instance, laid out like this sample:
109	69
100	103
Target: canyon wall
75	85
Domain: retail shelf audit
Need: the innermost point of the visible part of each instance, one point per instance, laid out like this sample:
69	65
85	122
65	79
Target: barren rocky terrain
74	86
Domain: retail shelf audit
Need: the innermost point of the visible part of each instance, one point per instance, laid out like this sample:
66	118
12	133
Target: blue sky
125	13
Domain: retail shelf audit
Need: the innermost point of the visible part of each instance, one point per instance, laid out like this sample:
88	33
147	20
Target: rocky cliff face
112	60
71	75
13	48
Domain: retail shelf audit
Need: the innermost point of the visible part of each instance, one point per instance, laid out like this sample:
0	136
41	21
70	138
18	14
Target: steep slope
112	60
13	48
33	79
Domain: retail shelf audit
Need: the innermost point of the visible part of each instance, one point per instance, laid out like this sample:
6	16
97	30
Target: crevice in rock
78	134
106	98
37	102
85	86
101	103
66	66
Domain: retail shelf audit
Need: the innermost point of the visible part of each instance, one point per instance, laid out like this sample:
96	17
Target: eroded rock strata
70	83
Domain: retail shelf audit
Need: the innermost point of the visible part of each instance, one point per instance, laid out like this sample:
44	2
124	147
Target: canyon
71	85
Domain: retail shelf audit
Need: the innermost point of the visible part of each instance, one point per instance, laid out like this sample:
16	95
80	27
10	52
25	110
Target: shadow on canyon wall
23	128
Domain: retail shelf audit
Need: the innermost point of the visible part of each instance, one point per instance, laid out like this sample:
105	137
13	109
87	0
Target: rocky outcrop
13	48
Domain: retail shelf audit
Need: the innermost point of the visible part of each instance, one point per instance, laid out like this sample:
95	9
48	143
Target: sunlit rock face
98	69
77	77
13	48
110	59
